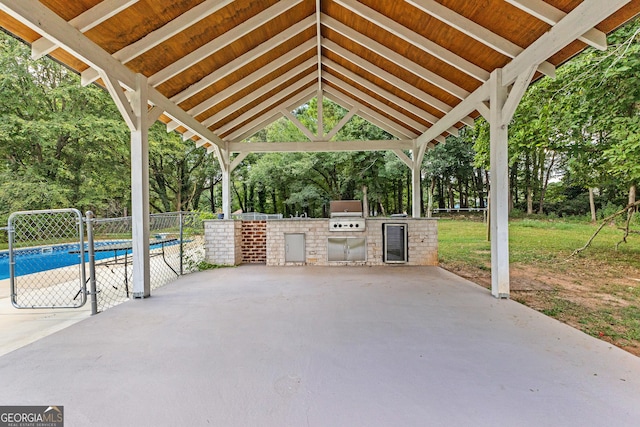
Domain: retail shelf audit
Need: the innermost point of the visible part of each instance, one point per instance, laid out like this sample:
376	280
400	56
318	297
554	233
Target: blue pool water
33	260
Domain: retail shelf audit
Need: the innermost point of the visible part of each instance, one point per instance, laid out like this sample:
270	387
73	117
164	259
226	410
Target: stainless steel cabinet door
294	247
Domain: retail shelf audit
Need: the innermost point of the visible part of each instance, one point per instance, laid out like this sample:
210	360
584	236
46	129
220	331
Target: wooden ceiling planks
357	52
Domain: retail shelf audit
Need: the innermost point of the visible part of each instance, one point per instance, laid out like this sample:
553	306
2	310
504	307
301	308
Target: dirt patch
595	298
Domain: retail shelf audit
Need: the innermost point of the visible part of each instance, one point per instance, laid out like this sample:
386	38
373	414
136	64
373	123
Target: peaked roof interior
237	65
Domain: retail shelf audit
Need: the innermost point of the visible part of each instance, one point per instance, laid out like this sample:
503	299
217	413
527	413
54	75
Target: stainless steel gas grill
346	215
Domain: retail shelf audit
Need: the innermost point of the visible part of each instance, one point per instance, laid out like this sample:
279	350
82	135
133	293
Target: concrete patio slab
325	346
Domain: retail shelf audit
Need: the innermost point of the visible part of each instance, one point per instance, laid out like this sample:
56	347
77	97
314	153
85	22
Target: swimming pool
34	260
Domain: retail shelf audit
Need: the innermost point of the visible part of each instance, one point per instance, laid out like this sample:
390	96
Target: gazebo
220	70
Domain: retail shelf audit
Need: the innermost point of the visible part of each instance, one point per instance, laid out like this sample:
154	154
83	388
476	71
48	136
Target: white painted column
225	166
416	178
140	190
499	208
416	189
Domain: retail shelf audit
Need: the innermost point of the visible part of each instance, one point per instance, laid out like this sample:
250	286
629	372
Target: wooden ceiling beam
392	80
245	59
260	122
173	27
251	78
415	39
83	23
279	98
394	57
387	95
372	116
476	31
218	43
261	91
358	94
551	15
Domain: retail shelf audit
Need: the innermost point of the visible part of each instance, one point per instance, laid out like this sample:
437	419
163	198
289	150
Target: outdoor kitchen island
347	238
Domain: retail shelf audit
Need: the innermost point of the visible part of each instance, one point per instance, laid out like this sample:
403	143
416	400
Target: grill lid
345	208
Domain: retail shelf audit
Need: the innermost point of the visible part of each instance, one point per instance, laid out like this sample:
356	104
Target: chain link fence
176	247
49	254
45	260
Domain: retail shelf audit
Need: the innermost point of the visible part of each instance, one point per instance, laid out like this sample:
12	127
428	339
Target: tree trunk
527	183
430	198
632	200
546	183
441	199
365	202
213	198
409	198
513	186
592	205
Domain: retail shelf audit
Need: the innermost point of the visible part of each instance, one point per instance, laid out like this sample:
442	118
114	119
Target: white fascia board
320	146
259	122
394	57
245	82
415	39
358	94
588	14
368	114
475	31
267	104
218	43
45	22
551	15
258	93
173	27
83	23
245	59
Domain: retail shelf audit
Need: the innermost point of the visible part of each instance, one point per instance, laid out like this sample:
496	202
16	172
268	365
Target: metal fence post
181	242
92	264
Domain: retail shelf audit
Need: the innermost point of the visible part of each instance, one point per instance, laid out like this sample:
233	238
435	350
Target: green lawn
543	243
597	291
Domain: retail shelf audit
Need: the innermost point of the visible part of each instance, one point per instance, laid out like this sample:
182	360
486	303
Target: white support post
225	165
499	208
416	179
416	189
140	190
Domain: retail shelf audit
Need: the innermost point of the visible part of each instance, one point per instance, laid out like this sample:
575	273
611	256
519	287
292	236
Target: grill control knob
357	225
351	225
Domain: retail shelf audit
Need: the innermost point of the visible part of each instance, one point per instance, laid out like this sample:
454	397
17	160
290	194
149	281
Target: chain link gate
47	259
